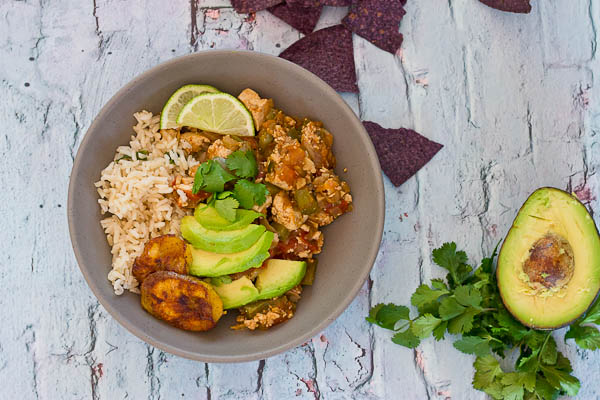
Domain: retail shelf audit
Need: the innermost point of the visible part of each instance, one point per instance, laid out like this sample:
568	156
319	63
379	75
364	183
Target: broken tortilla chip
515	6
302	18
402	152
378	21
250	6
329	54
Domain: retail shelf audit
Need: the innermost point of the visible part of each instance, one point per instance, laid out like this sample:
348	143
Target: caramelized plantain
163	253
182	301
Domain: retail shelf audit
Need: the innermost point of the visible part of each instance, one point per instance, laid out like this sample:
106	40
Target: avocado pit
551	263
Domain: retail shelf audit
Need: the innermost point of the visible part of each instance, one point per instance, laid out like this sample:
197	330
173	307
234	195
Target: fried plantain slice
163	253
182	301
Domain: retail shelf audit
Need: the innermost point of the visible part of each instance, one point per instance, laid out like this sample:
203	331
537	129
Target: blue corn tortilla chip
329	54
515	6
317	3
250	6
302	18
336	3
378	21
304	3
402	152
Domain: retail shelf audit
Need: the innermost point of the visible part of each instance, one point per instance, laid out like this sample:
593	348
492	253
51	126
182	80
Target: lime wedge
219	113
168	116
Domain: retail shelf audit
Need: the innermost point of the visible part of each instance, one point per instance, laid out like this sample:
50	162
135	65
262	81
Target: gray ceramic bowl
351	242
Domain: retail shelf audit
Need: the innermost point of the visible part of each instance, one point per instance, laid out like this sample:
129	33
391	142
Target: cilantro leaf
515	384
439	284
473	345
487	369
463	323
534	339
544	390
249	193
449	308
586	337
454	261
438	333
386	316
495	390
487	264
529	363
468	296
506	321
211	177
424	325
425	295
227	208
243	163
406	339
447	256
593	315
560	379
372	318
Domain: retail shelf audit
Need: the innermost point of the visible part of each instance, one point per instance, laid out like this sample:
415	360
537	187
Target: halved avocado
279	276
549	266
209	218
237	293
205	263
219	241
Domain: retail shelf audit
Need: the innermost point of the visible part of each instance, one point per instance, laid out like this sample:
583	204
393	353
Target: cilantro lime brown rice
200	221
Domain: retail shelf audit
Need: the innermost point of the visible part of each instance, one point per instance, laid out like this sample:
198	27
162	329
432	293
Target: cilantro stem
543	345
407	323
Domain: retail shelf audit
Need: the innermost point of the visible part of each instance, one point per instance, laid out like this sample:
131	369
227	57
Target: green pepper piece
306	201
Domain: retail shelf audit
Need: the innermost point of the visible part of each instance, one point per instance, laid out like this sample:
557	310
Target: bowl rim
351	293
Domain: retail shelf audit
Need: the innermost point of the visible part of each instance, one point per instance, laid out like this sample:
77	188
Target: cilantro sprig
242	169
243	163
468	303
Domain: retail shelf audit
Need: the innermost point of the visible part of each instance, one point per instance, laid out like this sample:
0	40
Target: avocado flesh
205	263
237	293
550	213
210	218
279	276
219	241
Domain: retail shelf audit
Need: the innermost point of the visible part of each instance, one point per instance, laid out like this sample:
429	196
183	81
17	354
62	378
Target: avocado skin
504	248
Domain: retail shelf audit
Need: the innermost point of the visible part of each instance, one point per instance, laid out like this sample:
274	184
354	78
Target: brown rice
134	193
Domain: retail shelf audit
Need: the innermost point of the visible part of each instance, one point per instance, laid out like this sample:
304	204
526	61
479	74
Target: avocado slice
219	241
549	267
237	293
206	263
210	218
279	276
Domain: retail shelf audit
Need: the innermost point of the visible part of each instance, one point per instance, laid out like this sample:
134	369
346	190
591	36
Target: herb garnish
243	163
141	155
469	304
211	177
123	157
